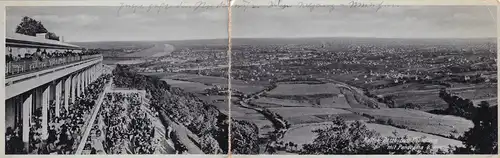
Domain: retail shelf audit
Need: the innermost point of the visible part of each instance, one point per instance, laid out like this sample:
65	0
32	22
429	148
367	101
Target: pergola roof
20	40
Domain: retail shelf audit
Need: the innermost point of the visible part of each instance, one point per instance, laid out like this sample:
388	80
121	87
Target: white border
148	3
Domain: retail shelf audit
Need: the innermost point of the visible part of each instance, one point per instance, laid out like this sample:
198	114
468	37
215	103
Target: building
36	84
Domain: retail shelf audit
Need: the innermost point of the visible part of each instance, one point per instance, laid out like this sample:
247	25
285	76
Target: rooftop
20	40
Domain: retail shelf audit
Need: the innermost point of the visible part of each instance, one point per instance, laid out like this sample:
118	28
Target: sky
388	22
83	24
79	24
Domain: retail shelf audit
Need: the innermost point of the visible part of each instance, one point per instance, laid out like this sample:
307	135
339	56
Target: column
101	69
45	110
94	73
67	89
80	83
73	88
52	95
77	85
58	96
94	76
27	119
84	80
87	78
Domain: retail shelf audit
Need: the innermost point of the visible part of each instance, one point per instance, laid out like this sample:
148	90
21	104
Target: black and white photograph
236	79
364	80
113	80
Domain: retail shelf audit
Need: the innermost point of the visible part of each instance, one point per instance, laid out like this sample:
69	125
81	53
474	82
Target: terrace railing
24	67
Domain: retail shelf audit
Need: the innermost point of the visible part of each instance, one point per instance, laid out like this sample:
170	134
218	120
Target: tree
482	138
30	27
52	36
457	106
389	100
209	145
244	137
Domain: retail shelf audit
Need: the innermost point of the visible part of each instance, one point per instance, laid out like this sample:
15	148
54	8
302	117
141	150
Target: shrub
390	122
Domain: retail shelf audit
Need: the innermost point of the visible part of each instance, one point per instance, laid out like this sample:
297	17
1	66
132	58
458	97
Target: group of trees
244	137
482	138
182	107
388	100
31	27
457	106
355	138
202	119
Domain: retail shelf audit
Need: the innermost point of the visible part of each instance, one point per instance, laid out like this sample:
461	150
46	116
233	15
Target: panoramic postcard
259	80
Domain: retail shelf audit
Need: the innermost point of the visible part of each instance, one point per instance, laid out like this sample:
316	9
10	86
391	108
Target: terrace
19	68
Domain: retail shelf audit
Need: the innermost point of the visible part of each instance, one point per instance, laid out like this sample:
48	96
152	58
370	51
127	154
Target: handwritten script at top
246	4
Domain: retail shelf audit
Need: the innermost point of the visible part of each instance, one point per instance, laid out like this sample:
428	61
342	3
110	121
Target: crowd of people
64	131
128	129
13	140
41	55
96	136
42	59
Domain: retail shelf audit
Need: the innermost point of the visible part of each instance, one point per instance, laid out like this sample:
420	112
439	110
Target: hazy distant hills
353	40
283	41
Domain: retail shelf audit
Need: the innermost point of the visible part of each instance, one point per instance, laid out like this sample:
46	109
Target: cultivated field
246	88
304	89
207	80
302	111
443	125
438	142
339	101
428	95
194	87
327	95
242	86
302	134
275	102
300	115
217	100
240	113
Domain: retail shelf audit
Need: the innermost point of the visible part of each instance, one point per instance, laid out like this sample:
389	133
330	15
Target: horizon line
283	38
